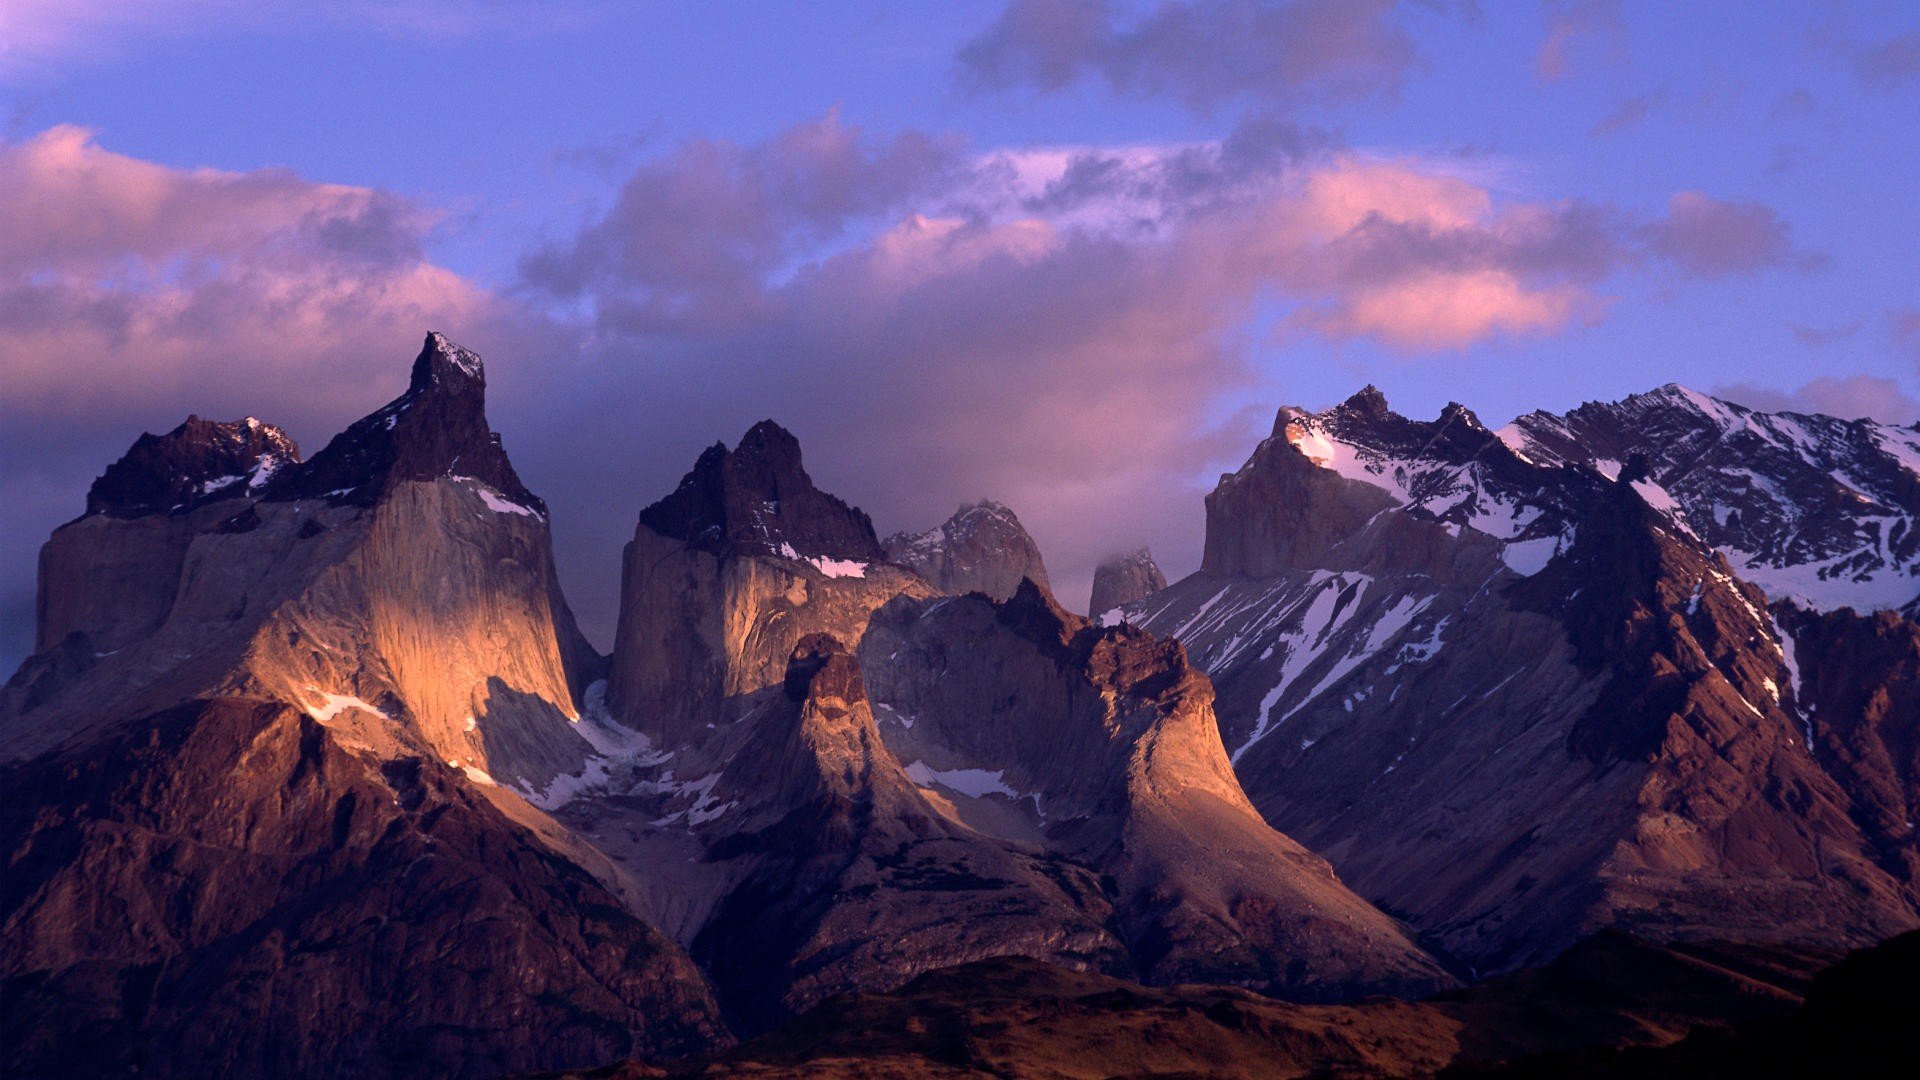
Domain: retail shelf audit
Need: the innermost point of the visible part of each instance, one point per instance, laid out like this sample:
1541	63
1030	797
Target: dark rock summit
264	778
198	462
1124	579
437	428
758	499
981	548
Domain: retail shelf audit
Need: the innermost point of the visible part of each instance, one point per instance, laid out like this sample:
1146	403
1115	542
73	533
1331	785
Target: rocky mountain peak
198	462
438	428
1120	580
757	499
981	548
446	366
1368	401
1456	413
1813	508
1032	613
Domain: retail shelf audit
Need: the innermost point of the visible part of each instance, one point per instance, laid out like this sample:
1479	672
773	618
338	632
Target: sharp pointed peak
442	363
1367	401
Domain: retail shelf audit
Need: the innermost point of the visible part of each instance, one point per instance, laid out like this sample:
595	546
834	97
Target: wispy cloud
1711	237
1851	397
1202	53
40	37
1576	29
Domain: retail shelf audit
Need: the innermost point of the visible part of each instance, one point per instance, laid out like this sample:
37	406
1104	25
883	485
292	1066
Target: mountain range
1455	734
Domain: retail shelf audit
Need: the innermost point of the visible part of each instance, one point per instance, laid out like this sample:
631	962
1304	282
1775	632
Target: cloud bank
1061	328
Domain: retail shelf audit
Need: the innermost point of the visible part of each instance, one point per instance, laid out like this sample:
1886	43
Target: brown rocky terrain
224	888
1035	724
1030	1021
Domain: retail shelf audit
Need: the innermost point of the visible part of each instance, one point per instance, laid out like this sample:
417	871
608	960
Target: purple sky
1067	255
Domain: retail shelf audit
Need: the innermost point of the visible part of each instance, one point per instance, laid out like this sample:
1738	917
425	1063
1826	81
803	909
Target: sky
1066	254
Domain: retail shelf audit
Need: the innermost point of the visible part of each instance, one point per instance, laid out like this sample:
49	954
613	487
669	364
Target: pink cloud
1855	396
1440	311
1574	26
1711	237
1904	325
197	285
1081	311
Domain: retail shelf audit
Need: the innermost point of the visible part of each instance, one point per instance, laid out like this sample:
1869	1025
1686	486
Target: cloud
1710	237
1202	53
1852	397
1890	64
1574	27
40	36
133	293
1058	328
1818	336
1627	114
693	236
1062	328
1904	326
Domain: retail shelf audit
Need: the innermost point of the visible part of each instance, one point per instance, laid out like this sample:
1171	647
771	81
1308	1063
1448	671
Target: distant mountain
982	548
1815	510
1516	695
1124	579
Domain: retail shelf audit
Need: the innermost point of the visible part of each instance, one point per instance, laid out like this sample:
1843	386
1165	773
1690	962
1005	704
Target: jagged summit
757	499
1368	401
981	548
1814	508
1338	468
440	358
200	461
437	428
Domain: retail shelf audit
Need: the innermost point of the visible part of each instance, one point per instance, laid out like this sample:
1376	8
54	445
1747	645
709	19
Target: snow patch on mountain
973	783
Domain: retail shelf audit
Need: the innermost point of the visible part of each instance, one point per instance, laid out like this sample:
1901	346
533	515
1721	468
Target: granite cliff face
852	848
982	548
313	746
1124	579
1037	726
1518	701
272	718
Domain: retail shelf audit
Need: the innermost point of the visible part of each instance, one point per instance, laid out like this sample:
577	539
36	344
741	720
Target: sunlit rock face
1517	695
1035	725
771	684
317	691
982	548
399	586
